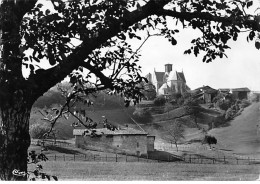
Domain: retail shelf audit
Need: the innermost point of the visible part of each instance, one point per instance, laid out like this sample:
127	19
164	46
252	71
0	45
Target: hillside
242	134
117	117
101	100
204	119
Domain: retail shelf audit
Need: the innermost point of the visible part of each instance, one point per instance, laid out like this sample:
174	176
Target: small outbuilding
240	93
126	140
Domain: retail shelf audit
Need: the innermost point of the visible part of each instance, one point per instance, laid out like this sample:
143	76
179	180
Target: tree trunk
176	146
14	138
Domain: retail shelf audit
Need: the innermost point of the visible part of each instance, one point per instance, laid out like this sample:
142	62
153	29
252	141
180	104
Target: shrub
229	114
244	103
143	115
208	139
254	98
37	130
191	102
223	104
159	101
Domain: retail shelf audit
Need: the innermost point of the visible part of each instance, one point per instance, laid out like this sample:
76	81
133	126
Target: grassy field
129	171
80	169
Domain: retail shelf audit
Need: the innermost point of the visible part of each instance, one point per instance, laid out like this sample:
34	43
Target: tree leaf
55	178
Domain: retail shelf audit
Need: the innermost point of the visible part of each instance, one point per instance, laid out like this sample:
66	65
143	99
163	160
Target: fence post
213	161
85	156
116	157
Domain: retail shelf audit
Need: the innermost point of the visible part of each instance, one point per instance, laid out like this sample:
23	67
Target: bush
191	102
224	105
208	139
143	115
229	114
244	103
159	101
254	98
37	130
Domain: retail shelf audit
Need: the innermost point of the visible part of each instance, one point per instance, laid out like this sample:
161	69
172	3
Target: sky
240	69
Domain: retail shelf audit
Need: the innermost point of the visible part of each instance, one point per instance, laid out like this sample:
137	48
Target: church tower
168	68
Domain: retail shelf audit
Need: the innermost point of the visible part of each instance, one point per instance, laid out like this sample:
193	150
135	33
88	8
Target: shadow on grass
225	124
164	156
63	150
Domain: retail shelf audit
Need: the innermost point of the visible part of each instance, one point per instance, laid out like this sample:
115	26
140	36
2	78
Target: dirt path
242	136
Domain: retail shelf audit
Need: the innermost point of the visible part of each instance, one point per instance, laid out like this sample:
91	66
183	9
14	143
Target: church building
168	82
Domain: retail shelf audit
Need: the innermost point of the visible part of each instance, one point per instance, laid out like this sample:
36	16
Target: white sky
240	69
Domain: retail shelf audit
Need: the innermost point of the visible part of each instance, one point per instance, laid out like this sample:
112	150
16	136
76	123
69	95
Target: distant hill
117	117
102	101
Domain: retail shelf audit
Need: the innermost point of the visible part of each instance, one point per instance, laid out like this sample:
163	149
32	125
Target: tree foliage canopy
103	28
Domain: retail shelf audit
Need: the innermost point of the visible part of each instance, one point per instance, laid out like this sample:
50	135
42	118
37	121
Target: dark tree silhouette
208	139
30	36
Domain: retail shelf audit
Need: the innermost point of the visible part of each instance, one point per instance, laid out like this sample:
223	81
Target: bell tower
168	68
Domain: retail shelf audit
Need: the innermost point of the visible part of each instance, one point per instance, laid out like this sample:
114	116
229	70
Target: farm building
205	93
126	140
240	93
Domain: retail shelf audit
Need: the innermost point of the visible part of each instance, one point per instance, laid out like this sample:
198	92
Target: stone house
168	82
126	140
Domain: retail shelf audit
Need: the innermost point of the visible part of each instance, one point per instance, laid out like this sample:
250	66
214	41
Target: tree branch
45	79
206	16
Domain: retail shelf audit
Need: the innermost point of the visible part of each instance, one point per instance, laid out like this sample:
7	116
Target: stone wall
130	144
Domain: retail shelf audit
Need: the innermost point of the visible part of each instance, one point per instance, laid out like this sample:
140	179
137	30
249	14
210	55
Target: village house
168	82
127	140
205	94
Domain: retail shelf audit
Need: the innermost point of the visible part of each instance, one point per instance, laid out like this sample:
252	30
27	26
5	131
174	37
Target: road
243	135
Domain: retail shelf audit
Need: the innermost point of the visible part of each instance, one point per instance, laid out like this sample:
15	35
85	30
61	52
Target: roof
181	75
224	90
203	88
210	91
241	89
172	76
105	131
159	76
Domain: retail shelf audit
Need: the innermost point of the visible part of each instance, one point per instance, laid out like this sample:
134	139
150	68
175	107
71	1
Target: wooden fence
191	159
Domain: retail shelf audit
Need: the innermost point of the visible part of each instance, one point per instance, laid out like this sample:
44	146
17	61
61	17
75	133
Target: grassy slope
241	136
163	121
